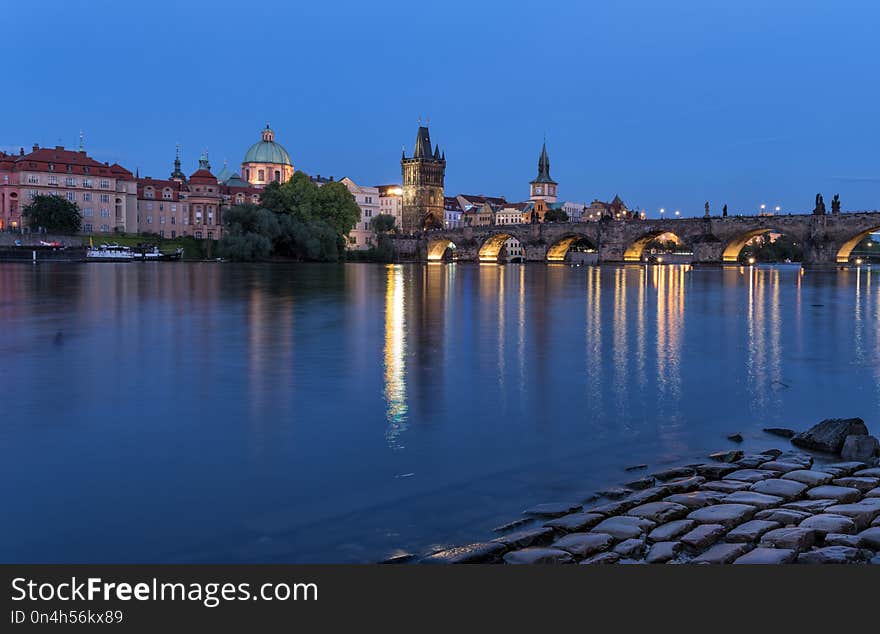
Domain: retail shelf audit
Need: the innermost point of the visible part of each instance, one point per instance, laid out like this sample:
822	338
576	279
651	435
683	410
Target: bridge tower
543	187
423	176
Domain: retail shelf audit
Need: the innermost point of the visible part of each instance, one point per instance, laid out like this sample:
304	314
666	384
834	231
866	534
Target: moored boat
109	253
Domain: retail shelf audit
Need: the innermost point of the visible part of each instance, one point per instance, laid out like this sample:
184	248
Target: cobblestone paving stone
775	507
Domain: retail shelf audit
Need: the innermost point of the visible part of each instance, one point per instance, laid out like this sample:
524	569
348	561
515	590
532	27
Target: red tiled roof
203	174
40	158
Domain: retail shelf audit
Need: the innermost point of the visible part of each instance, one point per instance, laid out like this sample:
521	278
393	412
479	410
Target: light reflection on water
333	413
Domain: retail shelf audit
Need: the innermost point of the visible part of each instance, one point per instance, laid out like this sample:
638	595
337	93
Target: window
105	183
87	182
105	228
162	233
69	182
149	220
173	233
105	198
53	180
105	213
277	176
87	197
88	212
353	239
33	179
198	235
148	193
166	194
71	196
247	174
261	175
173	221
161	220
210	235
149	206
87	227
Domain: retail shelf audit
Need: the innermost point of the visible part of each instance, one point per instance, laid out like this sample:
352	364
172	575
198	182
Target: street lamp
677	213
662	211
751	261
763	207
778	208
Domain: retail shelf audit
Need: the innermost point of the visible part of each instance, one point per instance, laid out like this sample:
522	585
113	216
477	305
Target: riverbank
812	504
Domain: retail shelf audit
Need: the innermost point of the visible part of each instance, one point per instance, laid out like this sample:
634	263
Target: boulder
832	555
737	437
830	434
870	538
602	558
798	539
728	515
785	489
672	530
661	552
725	486
575	522
785	517
825	523
696	499
749	475
624	527
525	537
630	548
768	556
759	500
751	531
675	472
862	484
552	509
659	512
860	447
703	536
470	554
843	495
722	553
726	456
809	477
713	471
583	544
538	556
780	431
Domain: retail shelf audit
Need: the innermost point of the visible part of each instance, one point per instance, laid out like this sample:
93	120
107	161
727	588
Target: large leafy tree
54	214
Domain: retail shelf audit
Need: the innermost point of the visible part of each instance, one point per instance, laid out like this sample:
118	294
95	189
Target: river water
324	413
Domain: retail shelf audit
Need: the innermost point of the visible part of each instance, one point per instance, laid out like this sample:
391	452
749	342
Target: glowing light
751	261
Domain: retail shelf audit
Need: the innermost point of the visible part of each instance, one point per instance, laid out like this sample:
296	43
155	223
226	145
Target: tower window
261	175
277	176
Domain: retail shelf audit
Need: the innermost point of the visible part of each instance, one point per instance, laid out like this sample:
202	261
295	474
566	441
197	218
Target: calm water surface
204	412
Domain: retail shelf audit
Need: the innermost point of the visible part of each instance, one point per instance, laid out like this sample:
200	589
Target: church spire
203	161
544	167
177	174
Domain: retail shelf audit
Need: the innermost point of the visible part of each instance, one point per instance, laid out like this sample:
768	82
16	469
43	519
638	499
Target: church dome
267	150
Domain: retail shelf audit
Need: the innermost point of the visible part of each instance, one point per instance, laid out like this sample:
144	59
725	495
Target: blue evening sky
666	103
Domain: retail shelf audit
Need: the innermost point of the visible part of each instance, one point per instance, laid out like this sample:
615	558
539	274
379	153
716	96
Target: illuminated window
261	175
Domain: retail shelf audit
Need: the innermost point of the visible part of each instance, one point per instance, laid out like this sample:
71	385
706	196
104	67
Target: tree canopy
555	215
54	214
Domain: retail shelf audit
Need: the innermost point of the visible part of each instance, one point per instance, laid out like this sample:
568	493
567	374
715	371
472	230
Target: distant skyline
666	104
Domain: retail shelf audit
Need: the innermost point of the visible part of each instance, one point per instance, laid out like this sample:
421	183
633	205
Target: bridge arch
437	249
845	251
735	245
557	251
491	248
635	250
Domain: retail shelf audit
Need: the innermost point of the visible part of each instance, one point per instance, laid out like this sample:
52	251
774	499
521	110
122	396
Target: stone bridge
826	239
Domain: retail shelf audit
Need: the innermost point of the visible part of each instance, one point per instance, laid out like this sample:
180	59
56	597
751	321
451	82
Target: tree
383	223
54	214
250	233
555	215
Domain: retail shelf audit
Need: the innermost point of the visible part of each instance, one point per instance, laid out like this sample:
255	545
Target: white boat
109	253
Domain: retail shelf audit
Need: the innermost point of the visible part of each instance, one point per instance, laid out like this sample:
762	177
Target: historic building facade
104	193
423	180
362	236
266	161
543	187
390	199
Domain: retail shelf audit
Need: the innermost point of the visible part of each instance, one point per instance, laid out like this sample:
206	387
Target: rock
873	493
703	536
671	530
870	538
860	448
768	556
725	456
862	484
648	495
796	457
773	453
843	469
785	489
752	461
722	554
873	472
781	467
470	554
728	515
641	483
583	544
829	523
839	539
696	499
725	486
399	558
511	525
552	509
785	517
630	548
830	434
809	506
832	555
589	497
661	552
810	478
615	493
636	467
525	537
751	531
749	475
575	522
843	495
876	522
624	527
715	471
758	500
659	512
780	431
612	508
603	558
675	472
862	513
737	437
538	556
797	539
685	484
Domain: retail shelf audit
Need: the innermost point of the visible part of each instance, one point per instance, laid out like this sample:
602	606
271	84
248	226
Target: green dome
267	151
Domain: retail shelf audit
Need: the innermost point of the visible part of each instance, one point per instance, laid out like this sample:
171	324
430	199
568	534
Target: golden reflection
395	357
764	350
669	282
619	343
593	339
521	329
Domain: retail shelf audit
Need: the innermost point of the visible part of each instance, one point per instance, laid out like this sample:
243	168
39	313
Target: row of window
88	212
51	179
86	197
88	228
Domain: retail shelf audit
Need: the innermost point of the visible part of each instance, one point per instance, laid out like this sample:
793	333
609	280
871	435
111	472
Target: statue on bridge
835	204
724	211
707	209
819	210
